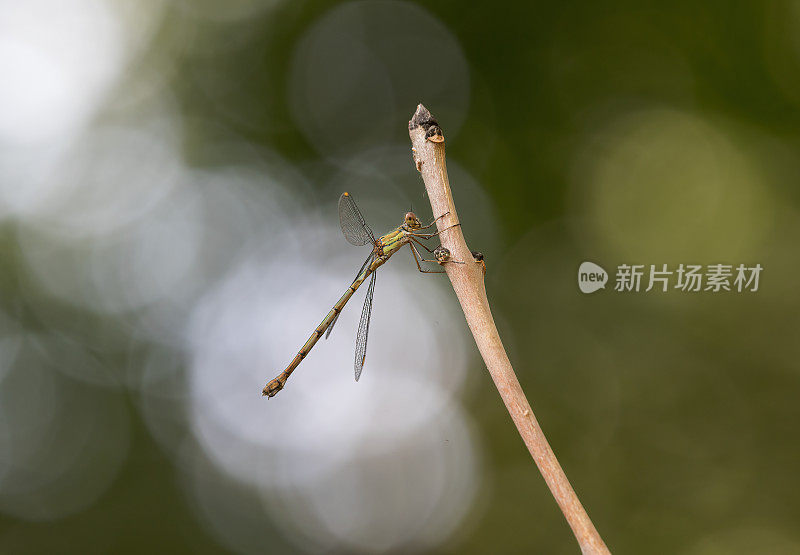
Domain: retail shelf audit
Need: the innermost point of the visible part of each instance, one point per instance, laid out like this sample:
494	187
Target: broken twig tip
424	119
421	118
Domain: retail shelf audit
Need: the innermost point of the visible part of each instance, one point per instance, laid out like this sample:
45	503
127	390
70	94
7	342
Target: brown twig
427	141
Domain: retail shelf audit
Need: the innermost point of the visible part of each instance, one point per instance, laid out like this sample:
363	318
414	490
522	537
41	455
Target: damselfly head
412	221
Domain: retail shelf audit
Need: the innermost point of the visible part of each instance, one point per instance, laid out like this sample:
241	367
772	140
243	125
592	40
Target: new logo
591	277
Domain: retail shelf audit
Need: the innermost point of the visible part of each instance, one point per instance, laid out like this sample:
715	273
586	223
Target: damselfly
358	233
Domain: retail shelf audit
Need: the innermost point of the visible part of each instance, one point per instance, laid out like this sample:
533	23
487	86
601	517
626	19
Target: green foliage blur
616	132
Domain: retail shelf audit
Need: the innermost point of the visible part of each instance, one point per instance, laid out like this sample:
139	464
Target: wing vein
354	228
363	329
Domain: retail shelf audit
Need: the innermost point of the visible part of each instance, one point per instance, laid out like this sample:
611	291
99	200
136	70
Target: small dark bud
424	119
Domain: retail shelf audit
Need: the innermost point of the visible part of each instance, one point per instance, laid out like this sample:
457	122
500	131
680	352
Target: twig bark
427	141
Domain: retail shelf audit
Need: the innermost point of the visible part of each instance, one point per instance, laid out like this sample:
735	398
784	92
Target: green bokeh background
617	132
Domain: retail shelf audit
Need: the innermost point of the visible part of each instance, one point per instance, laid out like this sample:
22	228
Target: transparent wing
330	328
366	263
354	228
363	329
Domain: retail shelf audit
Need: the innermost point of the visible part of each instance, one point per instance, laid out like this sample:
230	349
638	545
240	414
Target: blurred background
169	173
